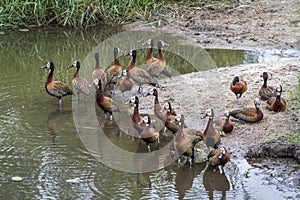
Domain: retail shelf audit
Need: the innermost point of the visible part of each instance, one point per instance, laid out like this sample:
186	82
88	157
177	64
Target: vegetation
79	13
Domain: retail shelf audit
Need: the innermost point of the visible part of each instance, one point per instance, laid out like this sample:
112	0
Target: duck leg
148	145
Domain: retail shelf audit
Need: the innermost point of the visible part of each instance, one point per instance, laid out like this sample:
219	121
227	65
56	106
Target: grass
79	13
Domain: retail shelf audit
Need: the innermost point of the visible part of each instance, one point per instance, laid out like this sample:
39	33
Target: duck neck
50	76
149	53
136	109
278	99
209	125
97	66
76	73
161	55
116	61
132	63
100	96
156	99
265	82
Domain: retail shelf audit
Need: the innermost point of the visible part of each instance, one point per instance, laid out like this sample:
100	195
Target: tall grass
73	12
79	13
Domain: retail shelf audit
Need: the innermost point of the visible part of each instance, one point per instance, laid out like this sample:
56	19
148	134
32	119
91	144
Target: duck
126	82
138	75
266	91
57	89
149	57
158	111
238	87
98	73
218	158
157	66
80	84
276	104
171	114
114	71
211	136
185	139
149	133
225	125
250	115
107	104
136	117
161	57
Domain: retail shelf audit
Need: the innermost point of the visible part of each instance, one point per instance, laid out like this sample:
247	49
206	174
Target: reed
73	13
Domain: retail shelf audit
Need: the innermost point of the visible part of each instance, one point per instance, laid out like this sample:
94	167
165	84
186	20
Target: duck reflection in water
213	181
185	176
56	121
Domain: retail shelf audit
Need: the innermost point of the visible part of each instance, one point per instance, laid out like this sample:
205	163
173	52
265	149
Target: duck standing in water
266	91
185	139
98	73
149	134
126	83
277	104
218	158
251	115
114	71
57	89
107	104
211	136
238	87
161	114
136	117
80	85
137	74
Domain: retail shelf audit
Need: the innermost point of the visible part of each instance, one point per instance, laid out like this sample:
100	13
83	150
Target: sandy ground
256	24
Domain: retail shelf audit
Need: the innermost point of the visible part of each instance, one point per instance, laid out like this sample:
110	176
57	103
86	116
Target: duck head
278	90
152	91
146	120
257	103
208	113
166	106
149	42
75	64
161	44
49	65
235	80
222	152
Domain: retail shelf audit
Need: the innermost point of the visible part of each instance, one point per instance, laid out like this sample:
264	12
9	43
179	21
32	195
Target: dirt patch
250	24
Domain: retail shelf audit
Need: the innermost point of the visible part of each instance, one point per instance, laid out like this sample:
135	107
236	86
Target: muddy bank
275	149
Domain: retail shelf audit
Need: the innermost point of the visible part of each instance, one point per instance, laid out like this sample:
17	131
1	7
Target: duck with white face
218	158
149	133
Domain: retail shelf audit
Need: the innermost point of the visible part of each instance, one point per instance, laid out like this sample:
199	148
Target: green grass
73	12
80	13
293	138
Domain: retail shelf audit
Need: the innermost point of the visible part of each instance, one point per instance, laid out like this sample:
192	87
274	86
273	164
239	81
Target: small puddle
232	57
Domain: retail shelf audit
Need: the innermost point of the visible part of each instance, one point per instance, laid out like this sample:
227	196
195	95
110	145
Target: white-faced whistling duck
80	85
162	58
105	103
126	83
98	72
250	115
139	75
161	114
185	139
159	66
225	125
57	89
219	157
172	126
136	117
211	136
149	133
238	88
266	91
114	71
277	104
149	56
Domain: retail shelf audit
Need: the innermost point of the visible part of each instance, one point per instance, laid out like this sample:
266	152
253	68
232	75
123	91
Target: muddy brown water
40	143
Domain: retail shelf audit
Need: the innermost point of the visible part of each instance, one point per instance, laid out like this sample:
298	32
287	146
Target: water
41	144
